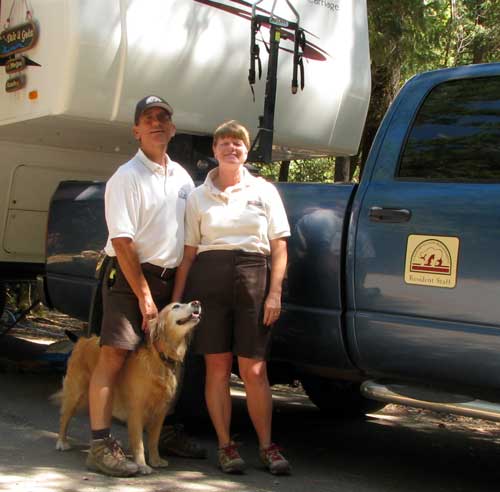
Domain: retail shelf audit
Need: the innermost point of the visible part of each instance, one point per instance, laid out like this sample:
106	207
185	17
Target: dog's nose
196	305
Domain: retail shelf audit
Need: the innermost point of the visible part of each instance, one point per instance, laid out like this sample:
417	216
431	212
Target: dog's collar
168	361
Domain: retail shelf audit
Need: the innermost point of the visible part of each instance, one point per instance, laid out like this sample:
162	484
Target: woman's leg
217	395
259	400
260	408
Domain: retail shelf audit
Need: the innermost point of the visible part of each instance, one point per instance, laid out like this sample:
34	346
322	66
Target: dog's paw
62	445
158	463
145	470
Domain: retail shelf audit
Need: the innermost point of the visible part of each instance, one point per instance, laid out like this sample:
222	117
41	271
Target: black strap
168	361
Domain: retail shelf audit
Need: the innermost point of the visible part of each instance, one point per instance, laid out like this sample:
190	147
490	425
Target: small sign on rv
15	83
15	64
18	38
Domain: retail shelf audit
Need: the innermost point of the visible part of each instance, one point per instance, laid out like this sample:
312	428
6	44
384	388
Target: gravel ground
47	327
47	331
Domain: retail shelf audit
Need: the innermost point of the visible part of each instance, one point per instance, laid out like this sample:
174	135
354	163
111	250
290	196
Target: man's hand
272	308
149	312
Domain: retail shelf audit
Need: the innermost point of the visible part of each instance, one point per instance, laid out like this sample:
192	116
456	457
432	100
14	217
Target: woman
235	224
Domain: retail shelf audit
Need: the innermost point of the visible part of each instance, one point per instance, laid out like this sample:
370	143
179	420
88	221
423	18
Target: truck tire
338	398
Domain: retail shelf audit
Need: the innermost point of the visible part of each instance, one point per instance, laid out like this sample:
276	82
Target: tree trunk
478	46
342	170
284	170
385	84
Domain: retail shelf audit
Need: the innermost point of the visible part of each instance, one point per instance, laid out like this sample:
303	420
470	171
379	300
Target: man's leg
103	378
105	454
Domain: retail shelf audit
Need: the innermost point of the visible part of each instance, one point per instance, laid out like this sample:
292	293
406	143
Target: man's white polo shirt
146	202
245	216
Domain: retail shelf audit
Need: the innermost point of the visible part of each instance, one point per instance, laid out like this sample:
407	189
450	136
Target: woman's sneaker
230	460
106	456
274	461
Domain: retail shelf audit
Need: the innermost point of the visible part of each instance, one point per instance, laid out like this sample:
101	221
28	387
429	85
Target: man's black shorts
122	319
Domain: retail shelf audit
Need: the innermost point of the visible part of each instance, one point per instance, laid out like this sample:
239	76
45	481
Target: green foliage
408	37
418	35
306	171
475	32
411	36
269	171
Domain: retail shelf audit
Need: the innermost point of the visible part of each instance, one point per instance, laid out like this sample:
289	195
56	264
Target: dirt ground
395	449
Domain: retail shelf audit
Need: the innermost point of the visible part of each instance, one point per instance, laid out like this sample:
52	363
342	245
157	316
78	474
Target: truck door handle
391	215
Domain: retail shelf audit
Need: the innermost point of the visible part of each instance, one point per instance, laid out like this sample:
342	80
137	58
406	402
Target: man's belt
158	271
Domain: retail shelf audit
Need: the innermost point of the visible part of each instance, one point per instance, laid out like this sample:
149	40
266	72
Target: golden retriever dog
146	385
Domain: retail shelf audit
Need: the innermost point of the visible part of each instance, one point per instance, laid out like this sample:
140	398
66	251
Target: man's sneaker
274	461
230	460
175	442
106	456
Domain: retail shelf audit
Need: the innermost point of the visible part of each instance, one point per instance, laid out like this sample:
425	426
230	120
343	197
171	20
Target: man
144	205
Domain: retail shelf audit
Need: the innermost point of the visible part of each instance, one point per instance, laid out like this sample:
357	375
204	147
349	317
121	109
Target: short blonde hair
233	129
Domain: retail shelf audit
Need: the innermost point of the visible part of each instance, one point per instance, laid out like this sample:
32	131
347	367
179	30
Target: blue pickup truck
393	285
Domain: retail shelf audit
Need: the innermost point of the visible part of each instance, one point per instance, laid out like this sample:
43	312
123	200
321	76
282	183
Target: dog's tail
56	398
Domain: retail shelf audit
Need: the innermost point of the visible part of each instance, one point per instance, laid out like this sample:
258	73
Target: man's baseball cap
151	102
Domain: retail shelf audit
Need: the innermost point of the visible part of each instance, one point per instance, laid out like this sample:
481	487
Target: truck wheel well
338	398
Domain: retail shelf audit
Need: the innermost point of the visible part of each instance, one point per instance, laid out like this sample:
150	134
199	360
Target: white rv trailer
94	59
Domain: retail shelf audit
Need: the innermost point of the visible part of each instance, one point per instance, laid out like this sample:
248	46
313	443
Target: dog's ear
153	328
157	326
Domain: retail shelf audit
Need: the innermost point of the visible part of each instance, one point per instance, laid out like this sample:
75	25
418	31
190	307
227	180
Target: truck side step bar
422	397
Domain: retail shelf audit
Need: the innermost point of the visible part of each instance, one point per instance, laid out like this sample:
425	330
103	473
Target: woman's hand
272	308
272	304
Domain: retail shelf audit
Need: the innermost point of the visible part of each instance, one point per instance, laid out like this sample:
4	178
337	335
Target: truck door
425	256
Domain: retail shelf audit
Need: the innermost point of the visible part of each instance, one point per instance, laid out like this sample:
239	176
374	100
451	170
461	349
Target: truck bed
310	330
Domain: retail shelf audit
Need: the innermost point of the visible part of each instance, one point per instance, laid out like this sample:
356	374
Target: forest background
406	37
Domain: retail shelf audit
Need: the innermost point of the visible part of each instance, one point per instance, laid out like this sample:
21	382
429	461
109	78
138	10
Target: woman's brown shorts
232	287
122	319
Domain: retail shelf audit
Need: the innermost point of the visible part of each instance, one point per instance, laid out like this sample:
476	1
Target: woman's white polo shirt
245	216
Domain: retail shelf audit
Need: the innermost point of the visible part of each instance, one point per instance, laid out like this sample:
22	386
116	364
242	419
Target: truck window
456	134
